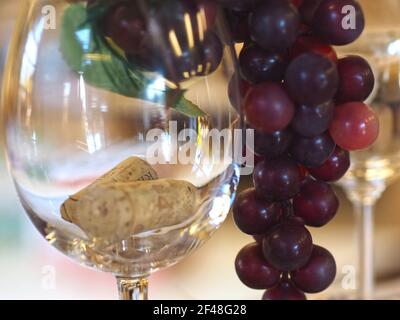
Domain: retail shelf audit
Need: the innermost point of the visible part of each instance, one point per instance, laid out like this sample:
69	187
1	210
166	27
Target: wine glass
374	169
138	86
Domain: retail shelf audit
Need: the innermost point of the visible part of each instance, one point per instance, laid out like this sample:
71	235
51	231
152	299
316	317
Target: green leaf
88	54
187	107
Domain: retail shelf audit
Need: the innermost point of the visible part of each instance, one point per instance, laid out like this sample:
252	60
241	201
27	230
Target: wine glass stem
132	288
365	235
364	197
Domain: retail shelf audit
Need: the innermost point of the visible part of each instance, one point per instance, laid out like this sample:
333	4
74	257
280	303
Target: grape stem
286	276
287	208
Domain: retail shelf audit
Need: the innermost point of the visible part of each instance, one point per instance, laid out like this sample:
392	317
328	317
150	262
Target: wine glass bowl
379	48
83	97
374	169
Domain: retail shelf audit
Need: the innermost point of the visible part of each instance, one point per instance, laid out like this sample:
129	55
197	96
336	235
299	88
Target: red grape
311	121
297	3
253	215
316	203
253	270
306	44
268	108
258	65
338	22
356	79
334	168
288	246
312	152
277	179
355	126
304	171
274	25
285	290
311	79
318	274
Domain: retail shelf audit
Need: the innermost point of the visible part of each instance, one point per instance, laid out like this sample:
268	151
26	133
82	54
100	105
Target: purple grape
312	79
274	25
333	24
308	9
311	121
296	220
272	145
237	5
127	27
316	203
253	270
148	60
318	274
211	51
258	65
334	168
259	238
199	58
237	90
253	215
312	152
173	16
239	25
285	290
356	79
277	179
288	246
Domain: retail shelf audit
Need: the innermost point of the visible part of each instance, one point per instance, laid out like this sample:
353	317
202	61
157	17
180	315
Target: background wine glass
374	169
62	133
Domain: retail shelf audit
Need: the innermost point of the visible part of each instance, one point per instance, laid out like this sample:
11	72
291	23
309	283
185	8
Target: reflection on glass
72	116
374	169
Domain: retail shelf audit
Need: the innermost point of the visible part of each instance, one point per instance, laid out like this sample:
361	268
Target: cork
128	200
116	211
131	169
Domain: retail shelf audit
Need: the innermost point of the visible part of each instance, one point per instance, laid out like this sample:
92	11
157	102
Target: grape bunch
172	37
306	107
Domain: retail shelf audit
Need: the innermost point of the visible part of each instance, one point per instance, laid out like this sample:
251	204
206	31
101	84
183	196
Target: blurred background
31	269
